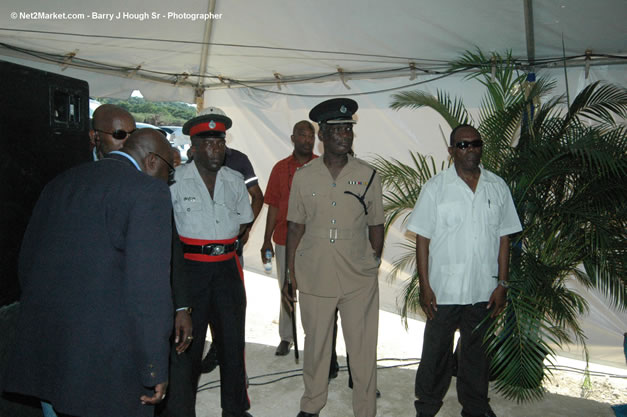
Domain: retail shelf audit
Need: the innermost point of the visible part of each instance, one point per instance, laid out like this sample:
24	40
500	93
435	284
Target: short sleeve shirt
464	229
334	256
278	193
239	162
198	216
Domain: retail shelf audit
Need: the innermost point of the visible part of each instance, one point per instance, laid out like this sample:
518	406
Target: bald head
152	151
111	126
107	112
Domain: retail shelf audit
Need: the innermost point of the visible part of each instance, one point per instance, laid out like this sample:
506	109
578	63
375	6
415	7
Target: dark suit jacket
180	280
96	306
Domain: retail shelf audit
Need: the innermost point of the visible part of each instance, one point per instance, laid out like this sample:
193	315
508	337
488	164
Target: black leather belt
211	249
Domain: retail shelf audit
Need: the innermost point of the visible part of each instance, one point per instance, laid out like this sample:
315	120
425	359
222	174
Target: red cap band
206	127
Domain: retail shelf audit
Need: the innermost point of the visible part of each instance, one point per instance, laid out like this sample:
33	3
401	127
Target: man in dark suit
96	306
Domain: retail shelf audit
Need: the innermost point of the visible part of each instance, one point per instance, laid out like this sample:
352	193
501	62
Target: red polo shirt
278	193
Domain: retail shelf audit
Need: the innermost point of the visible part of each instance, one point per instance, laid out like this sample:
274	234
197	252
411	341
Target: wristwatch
504	283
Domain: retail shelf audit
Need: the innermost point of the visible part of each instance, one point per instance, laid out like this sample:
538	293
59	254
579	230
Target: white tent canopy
230	62
249	41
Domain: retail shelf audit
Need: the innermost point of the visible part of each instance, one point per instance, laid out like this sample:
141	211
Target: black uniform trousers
434	374
218	297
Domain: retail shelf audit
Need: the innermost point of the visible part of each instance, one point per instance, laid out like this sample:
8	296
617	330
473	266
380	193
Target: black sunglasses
465	144
170	168
118	134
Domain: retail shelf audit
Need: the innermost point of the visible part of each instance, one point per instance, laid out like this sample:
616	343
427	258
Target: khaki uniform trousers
359	312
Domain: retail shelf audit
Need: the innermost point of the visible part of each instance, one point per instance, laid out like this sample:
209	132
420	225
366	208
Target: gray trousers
285	318
434	374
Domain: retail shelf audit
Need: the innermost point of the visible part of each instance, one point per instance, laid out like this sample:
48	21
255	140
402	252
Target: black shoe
419	409
283	348
210	362
228	414
304	414
488	413
333	370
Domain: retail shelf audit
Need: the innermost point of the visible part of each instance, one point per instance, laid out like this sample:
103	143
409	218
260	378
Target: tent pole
199	91
529	36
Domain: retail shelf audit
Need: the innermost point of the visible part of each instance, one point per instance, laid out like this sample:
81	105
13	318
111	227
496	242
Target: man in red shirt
277	197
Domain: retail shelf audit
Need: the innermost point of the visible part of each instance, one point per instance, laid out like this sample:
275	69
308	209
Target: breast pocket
450	215
314	200
493	210
187	205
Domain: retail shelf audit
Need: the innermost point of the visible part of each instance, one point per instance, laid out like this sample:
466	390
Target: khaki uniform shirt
198	216
335	256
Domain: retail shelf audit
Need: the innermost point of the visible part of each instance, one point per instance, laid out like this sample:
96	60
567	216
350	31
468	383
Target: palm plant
565	166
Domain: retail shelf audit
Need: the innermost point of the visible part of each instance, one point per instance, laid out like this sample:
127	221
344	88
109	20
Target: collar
191	170
127	156
451	175
293	158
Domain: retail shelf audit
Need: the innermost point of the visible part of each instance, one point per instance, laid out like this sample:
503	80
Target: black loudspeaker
44	129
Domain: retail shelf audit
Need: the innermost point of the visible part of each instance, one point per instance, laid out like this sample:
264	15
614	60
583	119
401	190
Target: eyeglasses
171	169
118	134
464	144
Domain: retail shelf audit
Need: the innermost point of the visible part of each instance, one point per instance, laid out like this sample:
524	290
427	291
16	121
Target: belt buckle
217	250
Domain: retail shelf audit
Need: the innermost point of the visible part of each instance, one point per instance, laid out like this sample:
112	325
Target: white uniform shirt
198	216
465	230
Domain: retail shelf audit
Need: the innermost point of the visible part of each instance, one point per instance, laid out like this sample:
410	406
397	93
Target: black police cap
334	111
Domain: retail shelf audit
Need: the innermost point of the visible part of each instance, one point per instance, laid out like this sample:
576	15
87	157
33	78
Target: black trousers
219	299
434	374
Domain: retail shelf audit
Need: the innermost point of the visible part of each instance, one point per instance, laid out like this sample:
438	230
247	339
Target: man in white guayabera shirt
462	220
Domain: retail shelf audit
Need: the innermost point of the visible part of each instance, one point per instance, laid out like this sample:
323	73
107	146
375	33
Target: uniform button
333	203
189	209
217	221
151	366
152	374
313	194
333	185
332	240
333	221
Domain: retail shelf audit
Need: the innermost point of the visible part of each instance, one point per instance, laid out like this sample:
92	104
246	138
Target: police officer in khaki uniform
334	243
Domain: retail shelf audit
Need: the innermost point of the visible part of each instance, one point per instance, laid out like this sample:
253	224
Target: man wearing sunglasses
96	306
462	220
111	126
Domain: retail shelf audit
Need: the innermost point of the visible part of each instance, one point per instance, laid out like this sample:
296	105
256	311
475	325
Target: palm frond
453	111
600	102
402	183
520	348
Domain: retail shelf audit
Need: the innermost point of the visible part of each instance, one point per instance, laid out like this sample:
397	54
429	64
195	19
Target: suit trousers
434	374
359	312
218	297
285	318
